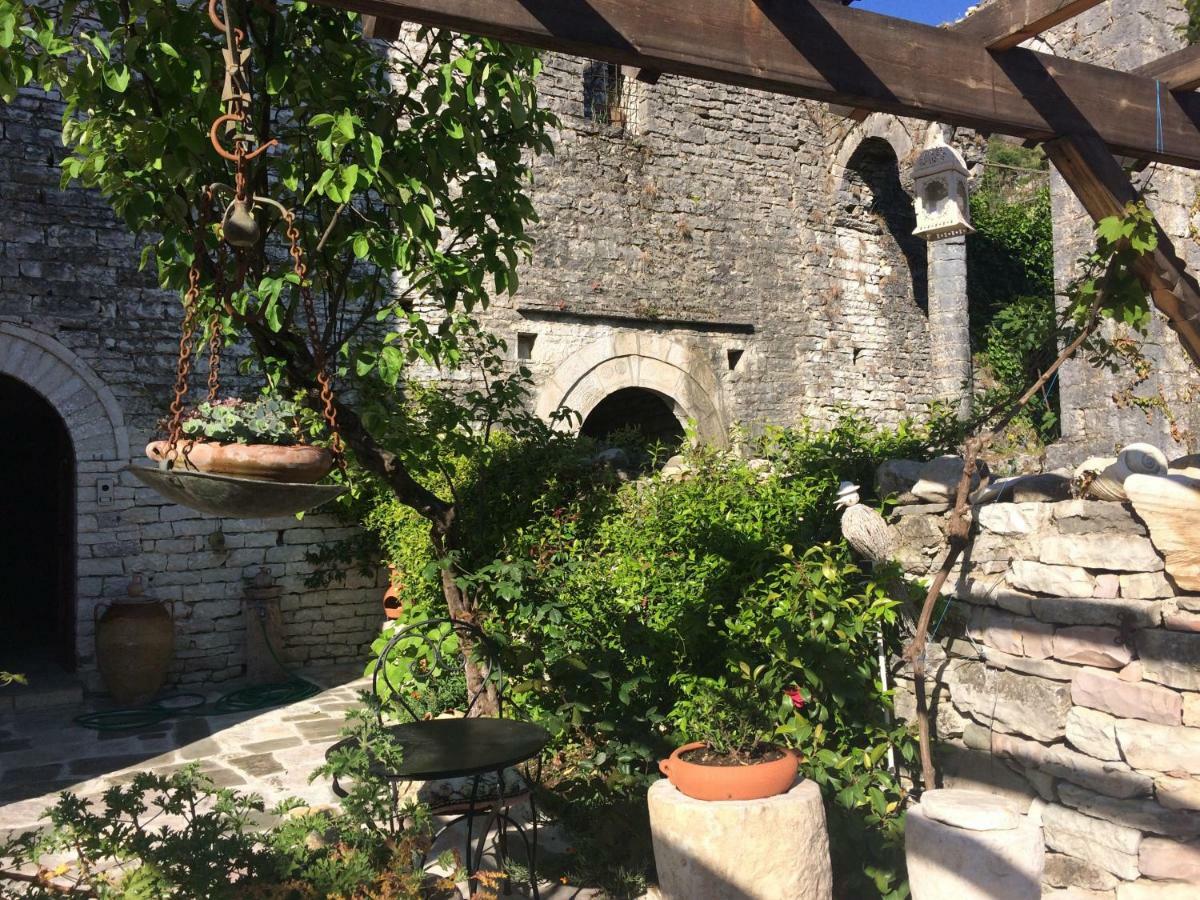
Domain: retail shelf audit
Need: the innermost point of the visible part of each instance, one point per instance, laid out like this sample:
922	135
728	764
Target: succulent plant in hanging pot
260	438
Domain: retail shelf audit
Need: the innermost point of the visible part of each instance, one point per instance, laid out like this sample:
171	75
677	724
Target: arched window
874	201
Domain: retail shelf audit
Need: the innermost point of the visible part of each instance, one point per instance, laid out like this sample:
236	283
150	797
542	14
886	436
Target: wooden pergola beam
381	28
1104	189
824	51
1179	71
1006	23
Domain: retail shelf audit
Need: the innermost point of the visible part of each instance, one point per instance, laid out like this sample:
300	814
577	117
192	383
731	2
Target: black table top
452	748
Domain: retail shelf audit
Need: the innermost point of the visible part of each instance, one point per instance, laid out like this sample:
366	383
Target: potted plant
731	755
260	439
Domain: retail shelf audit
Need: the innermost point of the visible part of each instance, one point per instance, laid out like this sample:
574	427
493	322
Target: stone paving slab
270	752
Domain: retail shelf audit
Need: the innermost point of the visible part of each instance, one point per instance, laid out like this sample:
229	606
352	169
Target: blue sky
934	12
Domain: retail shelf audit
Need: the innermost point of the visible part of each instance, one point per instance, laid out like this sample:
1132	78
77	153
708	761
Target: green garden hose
257	696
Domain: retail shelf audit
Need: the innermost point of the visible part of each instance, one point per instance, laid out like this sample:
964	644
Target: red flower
797	698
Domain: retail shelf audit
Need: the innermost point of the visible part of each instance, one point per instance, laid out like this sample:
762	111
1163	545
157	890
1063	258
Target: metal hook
243	155
222	24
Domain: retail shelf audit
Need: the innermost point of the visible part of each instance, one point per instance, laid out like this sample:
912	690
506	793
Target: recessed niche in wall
525	341
733	356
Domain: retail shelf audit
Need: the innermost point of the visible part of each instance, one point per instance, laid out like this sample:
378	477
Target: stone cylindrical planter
764	849
968	845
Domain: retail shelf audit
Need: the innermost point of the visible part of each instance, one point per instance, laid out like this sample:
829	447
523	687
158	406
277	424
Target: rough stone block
1057	581
1167	860
1064	871
1111	847
1145	586
1013	518
1114	779
1102	690
1018	704
726	850
1098	611
1171	658
1015	635
1159	748
1042	668
1108	586
1000	862
1091	645
1178	620
1178	793
1144	889
1191	709
1113	552
1093	733
1144	815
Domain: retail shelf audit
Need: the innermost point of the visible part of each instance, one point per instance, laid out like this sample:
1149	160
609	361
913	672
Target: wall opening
37	555
875	201
635	409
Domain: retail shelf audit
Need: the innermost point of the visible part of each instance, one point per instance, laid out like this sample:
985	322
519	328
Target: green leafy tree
407	171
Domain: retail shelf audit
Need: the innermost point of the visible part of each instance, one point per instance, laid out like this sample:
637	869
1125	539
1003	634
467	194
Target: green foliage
1010	278
733	719
371	847
1191	30
626	609
408	170
265	420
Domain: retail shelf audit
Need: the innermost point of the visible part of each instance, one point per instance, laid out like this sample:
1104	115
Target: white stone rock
1170	658
1093	733
1178	793
1113	848
741	850
1013	518
938	479
1159	748
949	862
1091	645
1144	889
1108	692
1057	581
1145	586
972	810
1101	550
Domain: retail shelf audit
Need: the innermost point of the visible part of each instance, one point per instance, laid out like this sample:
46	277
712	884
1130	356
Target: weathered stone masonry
1066	679
95	338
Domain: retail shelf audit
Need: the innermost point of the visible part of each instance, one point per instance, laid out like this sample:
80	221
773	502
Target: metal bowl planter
234	497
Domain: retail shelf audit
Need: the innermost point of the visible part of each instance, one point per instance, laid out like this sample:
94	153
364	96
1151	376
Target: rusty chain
318	346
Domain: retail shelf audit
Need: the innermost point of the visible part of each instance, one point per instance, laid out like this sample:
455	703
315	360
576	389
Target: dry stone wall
1066	679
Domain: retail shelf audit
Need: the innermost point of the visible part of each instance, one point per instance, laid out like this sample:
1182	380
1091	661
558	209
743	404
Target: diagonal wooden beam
1103	188
825	51
1179	71
1006	23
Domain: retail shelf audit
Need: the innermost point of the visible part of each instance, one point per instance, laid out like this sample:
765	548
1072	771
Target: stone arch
881	127
87	406
674	371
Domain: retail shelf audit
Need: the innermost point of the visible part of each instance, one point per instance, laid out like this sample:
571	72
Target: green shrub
623	605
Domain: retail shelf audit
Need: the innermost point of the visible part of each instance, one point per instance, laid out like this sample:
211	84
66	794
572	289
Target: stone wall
82	327
760	237
1066	679
1124	35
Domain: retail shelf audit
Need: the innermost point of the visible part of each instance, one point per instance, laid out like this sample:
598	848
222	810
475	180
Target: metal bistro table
436	750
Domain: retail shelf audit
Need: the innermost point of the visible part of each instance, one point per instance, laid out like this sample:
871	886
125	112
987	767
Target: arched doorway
635	409
37	554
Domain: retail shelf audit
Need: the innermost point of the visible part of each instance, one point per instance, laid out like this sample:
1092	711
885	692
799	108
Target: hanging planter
228	457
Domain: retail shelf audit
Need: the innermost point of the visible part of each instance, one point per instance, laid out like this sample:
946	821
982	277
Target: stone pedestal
264	632
968	845
741	849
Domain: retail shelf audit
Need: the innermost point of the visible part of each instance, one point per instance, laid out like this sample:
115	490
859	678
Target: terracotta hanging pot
392	607
753	781
293	464
135	640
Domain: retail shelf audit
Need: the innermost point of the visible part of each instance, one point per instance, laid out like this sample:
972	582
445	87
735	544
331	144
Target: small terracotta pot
391	597
295	464
752	782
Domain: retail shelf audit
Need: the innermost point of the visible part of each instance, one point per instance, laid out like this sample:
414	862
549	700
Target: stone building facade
1097	413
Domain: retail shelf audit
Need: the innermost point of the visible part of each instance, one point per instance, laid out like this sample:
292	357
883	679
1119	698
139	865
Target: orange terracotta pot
295	464
752	782
391	597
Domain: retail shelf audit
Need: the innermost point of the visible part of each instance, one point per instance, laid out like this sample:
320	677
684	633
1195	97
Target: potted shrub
731	755
258	438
